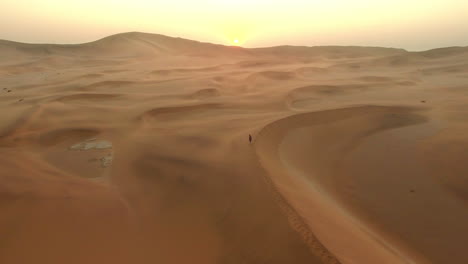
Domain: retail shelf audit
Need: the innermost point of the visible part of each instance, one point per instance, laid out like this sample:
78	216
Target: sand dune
134	149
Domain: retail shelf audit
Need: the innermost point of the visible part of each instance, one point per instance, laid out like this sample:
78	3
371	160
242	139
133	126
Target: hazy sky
410	24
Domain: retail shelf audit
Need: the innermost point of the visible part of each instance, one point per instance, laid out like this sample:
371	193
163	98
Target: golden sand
134	149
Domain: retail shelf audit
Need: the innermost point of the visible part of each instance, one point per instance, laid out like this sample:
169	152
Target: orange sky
410	24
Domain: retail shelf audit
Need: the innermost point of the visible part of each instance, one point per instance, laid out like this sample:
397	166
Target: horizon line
218	44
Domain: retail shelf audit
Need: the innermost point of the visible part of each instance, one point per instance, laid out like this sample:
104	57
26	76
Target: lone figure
250	138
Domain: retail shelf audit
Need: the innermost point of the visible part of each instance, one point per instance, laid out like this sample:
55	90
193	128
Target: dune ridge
268	145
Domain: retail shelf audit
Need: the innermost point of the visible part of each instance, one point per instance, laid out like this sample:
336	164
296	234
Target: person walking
250	138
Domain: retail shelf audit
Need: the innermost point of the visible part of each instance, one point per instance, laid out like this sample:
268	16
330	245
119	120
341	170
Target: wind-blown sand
134	149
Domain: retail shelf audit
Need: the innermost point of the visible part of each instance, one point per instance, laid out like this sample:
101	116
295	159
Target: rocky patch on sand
94	144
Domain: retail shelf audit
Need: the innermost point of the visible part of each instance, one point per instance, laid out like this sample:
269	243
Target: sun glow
259	23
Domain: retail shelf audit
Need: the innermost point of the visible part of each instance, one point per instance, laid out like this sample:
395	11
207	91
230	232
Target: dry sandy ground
134	149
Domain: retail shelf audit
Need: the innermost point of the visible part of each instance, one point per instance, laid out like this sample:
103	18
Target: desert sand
134	149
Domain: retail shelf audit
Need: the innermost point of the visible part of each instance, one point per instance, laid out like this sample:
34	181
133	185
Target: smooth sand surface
134	149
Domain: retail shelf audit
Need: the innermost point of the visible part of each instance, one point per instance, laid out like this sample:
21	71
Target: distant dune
135	149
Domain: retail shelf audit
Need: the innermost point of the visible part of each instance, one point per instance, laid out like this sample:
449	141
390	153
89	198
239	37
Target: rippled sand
134	149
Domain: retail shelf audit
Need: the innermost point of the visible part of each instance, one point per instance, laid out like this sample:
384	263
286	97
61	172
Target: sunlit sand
135	149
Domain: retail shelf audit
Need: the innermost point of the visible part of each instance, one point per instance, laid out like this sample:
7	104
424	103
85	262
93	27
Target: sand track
299	225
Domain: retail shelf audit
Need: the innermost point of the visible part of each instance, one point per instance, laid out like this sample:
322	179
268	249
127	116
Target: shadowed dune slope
379	169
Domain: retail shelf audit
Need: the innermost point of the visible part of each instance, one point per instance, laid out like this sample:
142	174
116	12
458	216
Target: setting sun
236	42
